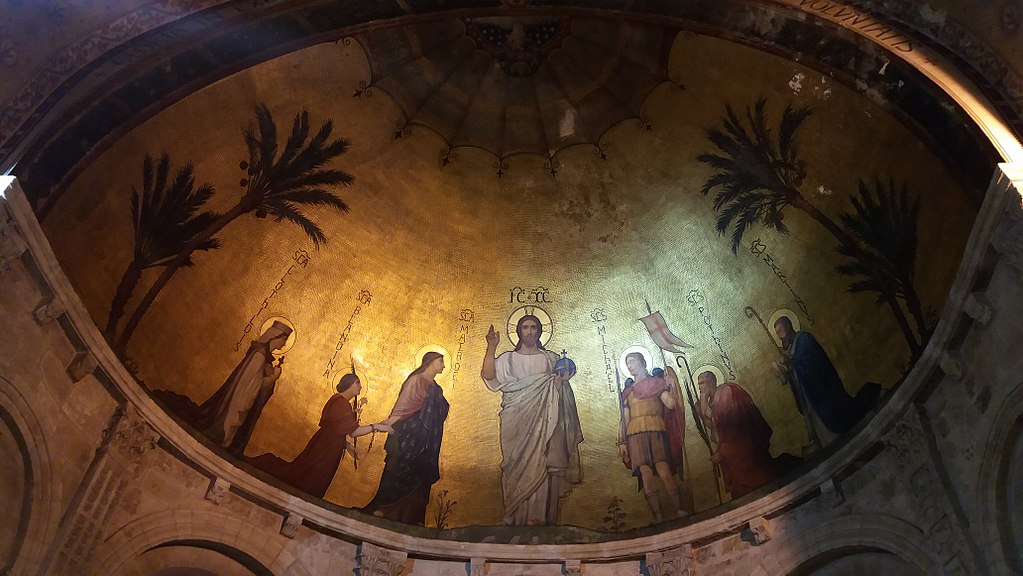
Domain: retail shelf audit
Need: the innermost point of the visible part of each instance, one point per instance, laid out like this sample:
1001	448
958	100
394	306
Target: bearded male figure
743	437
540	432
820	395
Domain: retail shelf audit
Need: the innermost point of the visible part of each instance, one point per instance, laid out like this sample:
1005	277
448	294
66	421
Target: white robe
539	437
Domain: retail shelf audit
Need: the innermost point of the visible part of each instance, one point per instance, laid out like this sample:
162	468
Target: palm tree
277	186
758	177
165	219
885	225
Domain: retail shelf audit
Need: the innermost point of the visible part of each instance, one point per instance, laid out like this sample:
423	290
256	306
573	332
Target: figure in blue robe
817	387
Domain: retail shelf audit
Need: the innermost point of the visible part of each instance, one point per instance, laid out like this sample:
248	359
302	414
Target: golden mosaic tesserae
588	272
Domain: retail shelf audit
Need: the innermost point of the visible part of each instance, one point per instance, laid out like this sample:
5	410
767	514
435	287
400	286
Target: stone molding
1008	238
290	525
47	311
217	489
376	561
908	442
12	245
760	528
82	51
81	365
125	444
979	308
953	364
674	562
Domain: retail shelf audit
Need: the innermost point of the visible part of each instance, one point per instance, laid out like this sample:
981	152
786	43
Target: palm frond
314	197
791	120
299	176
166	212
750	169
284	210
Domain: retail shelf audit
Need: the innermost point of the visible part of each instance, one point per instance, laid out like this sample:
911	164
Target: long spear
621	419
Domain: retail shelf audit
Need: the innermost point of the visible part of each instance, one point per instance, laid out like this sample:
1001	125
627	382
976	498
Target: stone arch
192	557
39	515
849	535
261	551
994	478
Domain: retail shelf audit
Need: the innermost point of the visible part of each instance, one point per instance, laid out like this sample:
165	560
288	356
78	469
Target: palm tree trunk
170	269
844	238
129	280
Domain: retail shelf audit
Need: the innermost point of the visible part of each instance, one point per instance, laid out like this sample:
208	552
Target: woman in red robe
313	469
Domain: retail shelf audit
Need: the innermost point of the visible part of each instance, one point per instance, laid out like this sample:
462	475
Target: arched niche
999	484
193	558
31	511
163	541
15	483
1010	491
853	562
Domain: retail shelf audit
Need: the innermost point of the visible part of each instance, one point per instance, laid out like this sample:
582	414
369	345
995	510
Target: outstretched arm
378	427
489	370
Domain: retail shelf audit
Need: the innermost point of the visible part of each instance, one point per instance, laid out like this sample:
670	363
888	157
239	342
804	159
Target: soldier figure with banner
652	433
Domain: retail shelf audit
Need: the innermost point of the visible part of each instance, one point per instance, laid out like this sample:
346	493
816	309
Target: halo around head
291	337
624	368
713	370
418	358
545	321
778	314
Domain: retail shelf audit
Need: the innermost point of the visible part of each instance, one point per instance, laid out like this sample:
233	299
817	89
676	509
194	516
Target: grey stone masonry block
978	307
217	489
953	364
47	311
289	527
83	364
383	561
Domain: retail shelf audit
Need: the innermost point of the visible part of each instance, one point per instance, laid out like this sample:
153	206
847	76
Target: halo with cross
546	324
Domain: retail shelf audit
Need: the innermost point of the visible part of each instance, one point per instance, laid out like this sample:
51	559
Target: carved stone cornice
47	311
290	525
674	562
81	365
760	529
132	438
953	364
978	307
906	441
217	489
376	561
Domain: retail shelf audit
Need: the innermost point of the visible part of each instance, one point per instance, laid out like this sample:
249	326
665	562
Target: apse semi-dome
596	277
